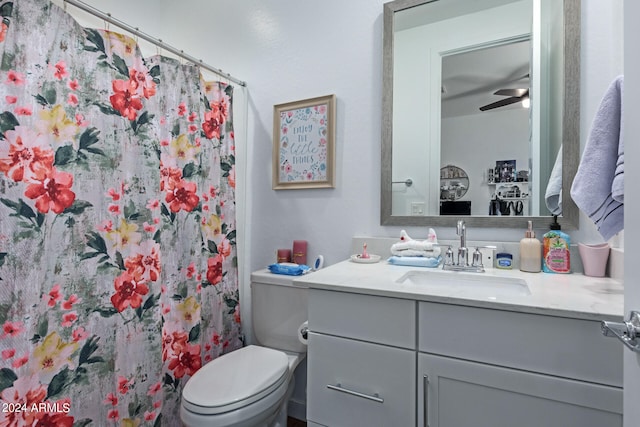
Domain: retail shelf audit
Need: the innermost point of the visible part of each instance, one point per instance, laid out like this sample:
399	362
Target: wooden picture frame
304	144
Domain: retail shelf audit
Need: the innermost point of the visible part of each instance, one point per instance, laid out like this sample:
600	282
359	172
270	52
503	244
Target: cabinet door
354	383
458	393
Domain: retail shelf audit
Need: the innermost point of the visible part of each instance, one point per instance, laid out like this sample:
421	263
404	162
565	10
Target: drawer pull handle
338	387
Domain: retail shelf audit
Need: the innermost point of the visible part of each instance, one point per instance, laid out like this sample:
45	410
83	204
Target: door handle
628	331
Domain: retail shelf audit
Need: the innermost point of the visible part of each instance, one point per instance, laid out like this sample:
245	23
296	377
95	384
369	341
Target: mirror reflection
480	86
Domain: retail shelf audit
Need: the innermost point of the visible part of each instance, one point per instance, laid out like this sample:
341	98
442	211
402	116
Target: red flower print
60	70
192	117
11	99
185	360
172	341
113	415
143	82
214	269
25	391
15	78
68	304
211	125
23	111
148	227
224	248
129	292
12	329
79	334
153	204
125	100
113	193
53	296
236	314
55	419
72	99
68	319
216	339
3	31
73	84
182	109
124	384
149	416
80	121
8	353
20	361
114	209
154	388
53	192
182	195
111	399
106	225
169	176
191	270
27	156
220	109
145	264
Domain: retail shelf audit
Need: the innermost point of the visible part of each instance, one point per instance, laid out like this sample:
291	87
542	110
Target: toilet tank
278	308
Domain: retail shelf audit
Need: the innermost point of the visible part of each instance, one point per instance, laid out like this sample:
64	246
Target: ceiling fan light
526	103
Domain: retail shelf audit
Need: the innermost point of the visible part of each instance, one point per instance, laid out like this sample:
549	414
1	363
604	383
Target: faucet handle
477	258
448	257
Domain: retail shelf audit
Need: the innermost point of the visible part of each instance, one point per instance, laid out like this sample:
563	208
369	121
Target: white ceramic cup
594	258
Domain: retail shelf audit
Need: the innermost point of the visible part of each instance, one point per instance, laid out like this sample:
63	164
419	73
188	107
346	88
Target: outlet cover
417	208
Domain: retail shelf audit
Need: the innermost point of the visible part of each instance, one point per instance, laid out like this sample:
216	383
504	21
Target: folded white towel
593	186
430	262
416	248
553	195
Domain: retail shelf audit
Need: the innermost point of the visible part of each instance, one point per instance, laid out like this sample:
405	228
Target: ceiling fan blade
512	92
501	103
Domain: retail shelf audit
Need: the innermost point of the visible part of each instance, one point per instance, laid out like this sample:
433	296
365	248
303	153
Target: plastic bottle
555	256
530	251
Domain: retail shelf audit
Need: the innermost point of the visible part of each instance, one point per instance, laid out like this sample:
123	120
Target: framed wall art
304	144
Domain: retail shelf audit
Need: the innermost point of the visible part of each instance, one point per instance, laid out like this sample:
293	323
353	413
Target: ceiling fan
515	95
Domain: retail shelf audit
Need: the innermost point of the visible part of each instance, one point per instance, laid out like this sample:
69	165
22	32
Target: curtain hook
159	47
64	5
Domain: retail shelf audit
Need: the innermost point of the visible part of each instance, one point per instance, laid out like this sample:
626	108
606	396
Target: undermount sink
471	284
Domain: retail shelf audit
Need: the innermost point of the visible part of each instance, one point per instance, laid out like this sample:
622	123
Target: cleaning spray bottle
555	255
530	251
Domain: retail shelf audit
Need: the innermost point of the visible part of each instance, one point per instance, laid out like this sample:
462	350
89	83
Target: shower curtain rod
158	42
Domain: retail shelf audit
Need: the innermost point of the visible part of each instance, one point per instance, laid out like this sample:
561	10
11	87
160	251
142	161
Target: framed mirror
477	84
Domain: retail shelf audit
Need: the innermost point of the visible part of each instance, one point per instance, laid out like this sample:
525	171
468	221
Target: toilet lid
235	380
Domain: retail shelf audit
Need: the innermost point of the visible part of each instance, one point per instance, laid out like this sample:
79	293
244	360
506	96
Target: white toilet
251	386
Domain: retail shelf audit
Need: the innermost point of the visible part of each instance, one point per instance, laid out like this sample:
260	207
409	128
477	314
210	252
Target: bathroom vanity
400	346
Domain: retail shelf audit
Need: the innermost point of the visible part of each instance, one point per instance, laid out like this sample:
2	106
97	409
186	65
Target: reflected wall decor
304	144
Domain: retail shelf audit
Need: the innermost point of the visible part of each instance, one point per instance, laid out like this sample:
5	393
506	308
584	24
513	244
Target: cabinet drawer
569	348
354	383
461	393
382	320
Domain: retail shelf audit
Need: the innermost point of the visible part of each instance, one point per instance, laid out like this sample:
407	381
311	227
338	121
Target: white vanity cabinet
492	368
381	360
361	366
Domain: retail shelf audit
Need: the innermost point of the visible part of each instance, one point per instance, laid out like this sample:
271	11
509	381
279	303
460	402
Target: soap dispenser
530	251
555	255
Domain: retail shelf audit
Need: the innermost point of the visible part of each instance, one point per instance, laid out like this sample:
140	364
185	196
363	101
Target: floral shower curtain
118	267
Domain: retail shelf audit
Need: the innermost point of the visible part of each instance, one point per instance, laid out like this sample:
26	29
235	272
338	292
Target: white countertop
564	295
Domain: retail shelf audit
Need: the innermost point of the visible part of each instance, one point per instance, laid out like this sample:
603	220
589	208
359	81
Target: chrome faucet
462	263
463	252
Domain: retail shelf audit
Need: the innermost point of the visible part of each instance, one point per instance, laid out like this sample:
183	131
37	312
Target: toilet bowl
251	386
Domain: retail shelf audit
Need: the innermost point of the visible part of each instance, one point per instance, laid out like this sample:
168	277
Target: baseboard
297	409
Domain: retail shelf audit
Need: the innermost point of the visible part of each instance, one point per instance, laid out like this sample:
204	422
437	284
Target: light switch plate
417	208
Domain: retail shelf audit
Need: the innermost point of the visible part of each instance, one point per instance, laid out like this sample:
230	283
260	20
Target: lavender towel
595	181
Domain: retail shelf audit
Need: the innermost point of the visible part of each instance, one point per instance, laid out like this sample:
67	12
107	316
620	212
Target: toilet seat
241	378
